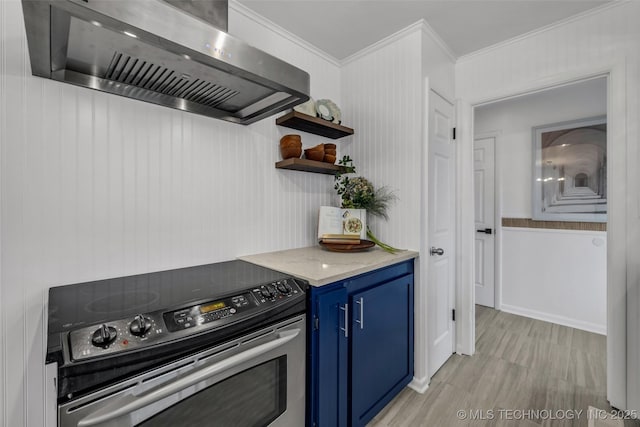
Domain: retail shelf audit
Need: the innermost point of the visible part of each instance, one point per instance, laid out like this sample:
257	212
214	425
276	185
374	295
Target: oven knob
284	288
268	292
104	336
140	325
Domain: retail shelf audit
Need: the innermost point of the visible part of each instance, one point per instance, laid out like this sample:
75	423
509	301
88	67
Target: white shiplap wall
94	186
606	40
383	93
382	97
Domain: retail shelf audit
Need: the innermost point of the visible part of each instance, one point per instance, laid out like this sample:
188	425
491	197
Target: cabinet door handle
361	321
345	309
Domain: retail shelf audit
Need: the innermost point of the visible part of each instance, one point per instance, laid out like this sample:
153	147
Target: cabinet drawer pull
361	321
345	309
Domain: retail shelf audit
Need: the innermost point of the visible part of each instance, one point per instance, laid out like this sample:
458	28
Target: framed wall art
570	171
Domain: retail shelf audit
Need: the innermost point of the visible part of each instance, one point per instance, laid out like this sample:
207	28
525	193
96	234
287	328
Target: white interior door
484	182
441	228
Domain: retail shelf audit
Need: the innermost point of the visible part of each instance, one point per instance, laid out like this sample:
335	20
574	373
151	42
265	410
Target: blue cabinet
329	355
361	345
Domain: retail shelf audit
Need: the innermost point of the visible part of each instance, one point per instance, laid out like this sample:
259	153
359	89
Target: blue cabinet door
330	366
381	352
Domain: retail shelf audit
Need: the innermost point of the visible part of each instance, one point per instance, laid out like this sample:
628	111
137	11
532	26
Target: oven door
257	380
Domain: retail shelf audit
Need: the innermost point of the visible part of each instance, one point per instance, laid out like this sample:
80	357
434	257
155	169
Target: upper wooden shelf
306	165
315	125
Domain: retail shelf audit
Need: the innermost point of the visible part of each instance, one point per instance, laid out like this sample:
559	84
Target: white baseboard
419	384
553	318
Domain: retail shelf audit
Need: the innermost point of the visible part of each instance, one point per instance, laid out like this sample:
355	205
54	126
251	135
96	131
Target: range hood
168	52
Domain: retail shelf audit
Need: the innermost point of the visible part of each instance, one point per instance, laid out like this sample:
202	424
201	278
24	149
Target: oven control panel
231	308
147	329
208	312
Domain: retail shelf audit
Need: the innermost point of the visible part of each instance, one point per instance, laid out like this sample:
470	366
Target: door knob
485	231
436	251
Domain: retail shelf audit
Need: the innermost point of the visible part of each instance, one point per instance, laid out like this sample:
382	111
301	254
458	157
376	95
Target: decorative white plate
323	108
328	110
308	108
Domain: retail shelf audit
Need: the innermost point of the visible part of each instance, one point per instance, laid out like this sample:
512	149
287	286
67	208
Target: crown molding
537	31
416	26
420	25
272	26
430	32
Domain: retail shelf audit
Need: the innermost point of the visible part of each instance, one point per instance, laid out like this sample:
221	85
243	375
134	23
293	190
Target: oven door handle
128	404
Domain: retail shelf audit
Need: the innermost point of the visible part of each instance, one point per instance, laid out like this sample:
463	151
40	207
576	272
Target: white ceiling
343	27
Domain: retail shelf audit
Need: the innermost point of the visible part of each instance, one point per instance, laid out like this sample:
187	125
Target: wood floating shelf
315	125
306	165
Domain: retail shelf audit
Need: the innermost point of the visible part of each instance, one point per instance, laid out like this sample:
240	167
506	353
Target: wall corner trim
272	26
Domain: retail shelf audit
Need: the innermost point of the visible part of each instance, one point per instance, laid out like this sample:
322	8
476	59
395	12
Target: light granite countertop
320	267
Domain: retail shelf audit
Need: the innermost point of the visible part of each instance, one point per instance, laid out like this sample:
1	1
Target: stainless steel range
216	345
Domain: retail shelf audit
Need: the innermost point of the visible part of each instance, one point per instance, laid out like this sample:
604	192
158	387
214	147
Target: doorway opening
554	271
528	270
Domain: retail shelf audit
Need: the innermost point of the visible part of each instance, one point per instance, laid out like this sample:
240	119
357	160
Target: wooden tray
340	247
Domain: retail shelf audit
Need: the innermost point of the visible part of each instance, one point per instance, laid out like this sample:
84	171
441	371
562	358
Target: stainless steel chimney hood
158	51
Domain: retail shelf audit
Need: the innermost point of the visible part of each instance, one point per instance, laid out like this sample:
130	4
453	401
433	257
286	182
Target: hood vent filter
145	75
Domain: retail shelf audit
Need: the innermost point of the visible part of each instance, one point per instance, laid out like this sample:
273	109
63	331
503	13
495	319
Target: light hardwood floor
520	364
